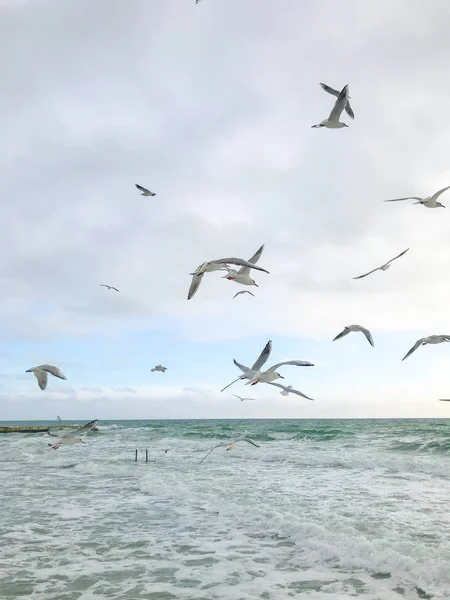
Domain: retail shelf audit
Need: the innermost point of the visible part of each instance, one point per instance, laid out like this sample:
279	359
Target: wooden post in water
135	456
146	455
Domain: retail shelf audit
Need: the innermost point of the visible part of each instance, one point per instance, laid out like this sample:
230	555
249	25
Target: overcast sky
211	107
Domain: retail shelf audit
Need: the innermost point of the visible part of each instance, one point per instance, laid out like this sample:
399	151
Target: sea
322	510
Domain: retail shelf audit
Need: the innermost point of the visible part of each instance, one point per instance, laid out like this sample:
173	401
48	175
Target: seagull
444	399
59	418
330	90
286	390
110	287
349	328
217	265
333	120
242	399
429	202
73	437
271	374
243	292
145	191
384	267
41	374
159	368
230	445
243	275
259	362
431	339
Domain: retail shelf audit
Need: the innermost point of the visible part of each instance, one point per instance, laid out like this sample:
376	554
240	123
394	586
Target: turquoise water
322	510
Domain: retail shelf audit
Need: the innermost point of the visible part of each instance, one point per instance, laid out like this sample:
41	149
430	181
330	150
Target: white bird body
429	202
355	328
333	121
73	437
241	278
259	362
384	267
431	339
41	374
159	368
230	445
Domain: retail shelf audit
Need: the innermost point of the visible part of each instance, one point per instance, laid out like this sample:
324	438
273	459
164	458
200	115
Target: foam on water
322	510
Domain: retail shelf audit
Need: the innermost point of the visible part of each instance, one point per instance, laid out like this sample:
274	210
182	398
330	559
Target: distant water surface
323	510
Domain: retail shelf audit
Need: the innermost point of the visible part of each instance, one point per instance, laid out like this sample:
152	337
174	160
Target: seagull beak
281	377
255	284
230	447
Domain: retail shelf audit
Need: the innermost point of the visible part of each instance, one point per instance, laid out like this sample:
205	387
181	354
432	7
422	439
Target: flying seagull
59	418
431	339
286	390
333	120
243	292
243	275
384	267
271	374
145	191
217	265
73	437
259	362
159	368
241	398
330	90
429	202
110	287
41	374
230	445
349	328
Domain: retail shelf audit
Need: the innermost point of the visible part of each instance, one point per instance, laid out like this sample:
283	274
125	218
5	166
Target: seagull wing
243	368
437	194
143	189
195	283
86	427
113	288
42	378
245	439
104	285
342	334
401	199
230	384
414	348
368	335
339	105
53	370
395	257
262	358
369	273
329	89
52	434
296	363
213	448
288	389
444	399
349	110
254	259
240	262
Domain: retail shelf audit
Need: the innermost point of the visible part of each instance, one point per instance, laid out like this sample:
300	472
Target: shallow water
322	510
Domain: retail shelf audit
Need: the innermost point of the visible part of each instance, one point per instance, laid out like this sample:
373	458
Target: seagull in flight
333	120
73	437
243	292
241	398
271	374
429	202
145	191
259	362
330	90
286	390
350	328
159	368
59	418
110	287
431	339
41	374
230	445
243	275
217	265
384	267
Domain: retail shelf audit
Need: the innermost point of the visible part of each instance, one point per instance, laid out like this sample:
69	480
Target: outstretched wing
230	384
254	259
240	262
143	189
349	110
52	434
289	389
213	448
329	89
244	438
342	334
437	194
42	378
395	257
365	274
339	105
243	368
368	335
262	358
296	363
401	199
243	292
195	283
82	430
414	348
53	370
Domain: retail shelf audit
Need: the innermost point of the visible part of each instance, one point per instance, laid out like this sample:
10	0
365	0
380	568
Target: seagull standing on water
259	362
159	368
230	445
145	191
110	287
429	202
217	265
350	328
73	437
330	90
384	267
41	374
271	374
431	339
243	275
333	120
